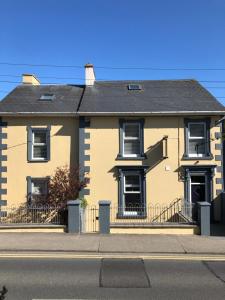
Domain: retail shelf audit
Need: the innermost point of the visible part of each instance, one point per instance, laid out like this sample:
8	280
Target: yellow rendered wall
163	184
64	151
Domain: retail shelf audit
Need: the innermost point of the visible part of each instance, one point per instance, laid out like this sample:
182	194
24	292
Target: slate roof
155	96
25	99
113	97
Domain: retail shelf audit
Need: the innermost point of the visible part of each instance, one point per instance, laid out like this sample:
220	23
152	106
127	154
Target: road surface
53	278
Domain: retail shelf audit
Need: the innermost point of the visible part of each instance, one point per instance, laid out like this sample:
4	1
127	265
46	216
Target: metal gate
91	219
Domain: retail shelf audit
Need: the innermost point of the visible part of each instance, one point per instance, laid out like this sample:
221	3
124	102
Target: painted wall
64	151
163	182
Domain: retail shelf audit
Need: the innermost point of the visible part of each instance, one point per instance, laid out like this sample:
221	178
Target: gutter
157	113
38	114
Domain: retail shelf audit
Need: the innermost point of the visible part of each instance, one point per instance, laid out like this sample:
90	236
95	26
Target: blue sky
125	33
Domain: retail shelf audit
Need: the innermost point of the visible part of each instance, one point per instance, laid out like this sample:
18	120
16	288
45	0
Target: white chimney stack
89	74
30	79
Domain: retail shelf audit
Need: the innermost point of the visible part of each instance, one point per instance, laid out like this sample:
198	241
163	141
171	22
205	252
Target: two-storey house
142	142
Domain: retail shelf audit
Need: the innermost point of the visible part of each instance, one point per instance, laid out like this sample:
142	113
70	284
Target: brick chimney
30	79
89	74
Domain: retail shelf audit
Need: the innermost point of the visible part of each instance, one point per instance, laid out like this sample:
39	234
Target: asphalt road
27	278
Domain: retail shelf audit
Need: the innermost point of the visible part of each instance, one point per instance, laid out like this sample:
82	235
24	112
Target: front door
198	192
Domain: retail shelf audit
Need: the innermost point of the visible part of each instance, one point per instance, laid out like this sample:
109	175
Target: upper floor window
38	144
131	139
197	138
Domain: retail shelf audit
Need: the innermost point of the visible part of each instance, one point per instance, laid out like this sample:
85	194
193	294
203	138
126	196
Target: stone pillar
74	219
104	216
204	217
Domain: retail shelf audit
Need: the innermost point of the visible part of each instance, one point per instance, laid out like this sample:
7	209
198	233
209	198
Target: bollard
204	217
74	220
104	216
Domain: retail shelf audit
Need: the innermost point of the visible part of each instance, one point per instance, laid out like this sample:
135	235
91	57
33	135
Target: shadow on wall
74	139
154	155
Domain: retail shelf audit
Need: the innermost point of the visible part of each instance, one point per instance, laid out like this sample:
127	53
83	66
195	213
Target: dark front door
198	187
198	192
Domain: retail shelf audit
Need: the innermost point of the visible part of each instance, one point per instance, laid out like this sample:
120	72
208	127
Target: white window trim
134	185
197	138
38	144
132	138
125	212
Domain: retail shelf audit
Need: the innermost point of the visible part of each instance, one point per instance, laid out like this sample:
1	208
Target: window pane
132	180
132	183
38	187
198	179
132	201
132	130
40	137
40	151
197	146
197	130
131	147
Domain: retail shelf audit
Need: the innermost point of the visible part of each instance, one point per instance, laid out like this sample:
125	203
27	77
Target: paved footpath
113	243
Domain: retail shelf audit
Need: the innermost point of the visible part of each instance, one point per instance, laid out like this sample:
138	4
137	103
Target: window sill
198	158
119	157
38	161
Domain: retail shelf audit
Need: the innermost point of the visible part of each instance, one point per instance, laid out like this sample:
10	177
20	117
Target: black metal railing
30	214
176	212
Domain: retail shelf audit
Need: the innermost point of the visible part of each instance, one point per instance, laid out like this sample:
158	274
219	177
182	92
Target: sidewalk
95	243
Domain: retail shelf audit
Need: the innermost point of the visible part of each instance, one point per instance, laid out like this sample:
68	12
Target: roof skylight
47	97
134	87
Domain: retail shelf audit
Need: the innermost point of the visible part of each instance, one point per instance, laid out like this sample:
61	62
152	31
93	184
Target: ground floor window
37	190
132	202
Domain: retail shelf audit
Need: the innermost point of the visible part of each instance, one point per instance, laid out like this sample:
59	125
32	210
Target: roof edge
38	114
157	113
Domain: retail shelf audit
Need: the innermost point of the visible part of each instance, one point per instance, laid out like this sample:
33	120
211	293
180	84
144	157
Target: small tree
65	185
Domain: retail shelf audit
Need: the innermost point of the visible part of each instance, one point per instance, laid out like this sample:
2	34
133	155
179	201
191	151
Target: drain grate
123	273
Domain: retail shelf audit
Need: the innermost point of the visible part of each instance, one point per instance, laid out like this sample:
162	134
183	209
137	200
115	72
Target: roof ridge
143	80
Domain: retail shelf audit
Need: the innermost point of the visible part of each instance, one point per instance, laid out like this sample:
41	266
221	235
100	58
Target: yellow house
143	143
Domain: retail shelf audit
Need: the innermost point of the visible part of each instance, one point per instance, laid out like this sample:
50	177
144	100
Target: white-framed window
39	144
197	140
38	189
132	194
131	139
